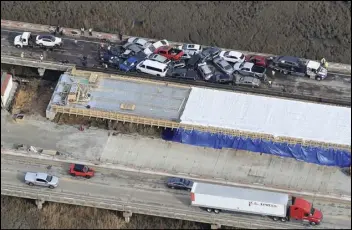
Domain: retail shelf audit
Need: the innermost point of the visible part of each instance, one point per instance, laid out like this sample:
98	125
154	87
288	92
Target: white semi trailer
278	206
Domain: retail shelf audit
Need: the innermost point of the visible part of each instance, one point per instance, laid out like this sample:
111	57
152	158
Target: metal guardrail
270	91
154	210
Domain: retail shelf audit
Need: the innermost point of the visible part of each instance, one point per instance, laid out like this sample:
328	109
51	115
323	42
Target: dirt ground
311	29
55	216
115	127
33	97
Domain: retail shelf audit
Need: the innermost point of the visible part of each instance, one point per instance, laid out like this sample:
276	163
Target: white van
153	68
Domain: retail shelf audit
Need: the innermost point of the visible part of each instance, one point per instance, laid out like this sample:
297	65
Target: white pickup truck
26	39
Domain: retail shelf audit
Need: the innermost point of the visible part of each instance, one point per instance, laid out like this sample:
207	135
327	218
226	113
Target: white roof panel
266	115
235	53
313	64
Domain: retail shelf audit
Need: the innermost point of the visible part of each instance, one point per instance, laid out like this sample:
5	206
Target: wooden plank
171	124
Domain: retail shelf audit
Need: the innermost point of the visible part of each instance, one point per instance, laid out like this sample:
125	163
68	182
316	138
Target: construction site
181	114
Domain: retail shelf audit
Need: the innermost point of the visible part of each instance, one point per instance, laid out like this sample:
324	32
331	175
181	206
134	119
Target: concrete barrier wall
333	67
67	197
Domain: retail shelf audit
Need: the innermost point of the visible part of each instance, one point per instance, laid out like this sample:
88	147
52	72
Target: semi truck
26	39
277	206
298	67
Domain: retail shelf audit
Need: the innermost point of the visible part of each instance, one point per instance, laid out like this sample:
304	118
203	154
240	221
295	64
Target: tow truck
26	39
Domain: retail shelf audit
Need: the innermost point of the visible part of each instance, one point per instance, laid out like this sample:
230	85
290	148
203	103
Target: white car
159	58
190	48
41	179
48	41
138	41
232	56
152	47
249	69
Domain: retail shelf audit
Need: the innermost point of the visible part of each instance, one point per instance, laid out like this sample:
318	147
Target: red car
257	60
81	170
169	52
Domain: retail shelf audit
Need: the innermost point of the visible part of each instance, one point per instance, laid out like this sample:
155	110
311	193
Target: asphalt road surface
137	188
336	86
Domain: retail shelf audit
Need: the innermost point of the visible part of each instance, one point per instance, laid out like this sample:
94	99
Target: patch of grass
21	213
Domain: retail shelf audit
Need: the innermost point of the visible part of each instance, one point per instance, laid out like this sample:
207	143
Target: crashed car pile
187	61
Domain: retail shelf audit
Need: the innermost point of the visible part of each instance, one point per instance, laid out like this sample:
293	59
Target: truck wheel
209	210
216	211
41	45
139	71
18	46
30	184
172	187
318	78
283	219
51	187
72	174
88	177
275	218
313	223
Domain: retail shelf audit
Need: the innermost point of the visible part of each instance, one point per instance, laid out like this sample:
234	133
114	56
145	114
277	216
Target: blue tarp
315	155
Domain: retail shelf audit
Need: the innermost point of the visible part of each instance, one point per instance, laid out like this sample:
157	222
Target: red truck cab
304	211
169	52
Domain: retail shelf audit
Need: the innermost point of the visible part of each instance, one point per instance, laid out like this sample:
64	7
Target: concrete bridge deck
140	193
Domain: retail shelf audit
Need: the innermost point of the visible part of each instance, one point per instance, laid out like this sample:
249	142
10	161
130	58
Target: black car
209	53
193	61
180	183
178	64
221	78
182	73
110	61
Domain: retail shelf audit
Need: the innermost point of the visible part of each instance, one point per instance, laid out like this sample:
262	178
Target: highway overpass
336	87
141	193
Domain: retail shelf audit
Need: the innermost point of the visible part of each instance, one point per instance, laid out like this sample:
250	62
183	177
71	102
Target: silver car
246	81
206	71
41	179
138	41
223	65
159	58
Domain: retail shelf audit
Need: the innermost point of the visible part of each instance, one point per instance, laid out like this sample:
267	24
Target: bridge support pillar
41	71
215	226
39	203
127	216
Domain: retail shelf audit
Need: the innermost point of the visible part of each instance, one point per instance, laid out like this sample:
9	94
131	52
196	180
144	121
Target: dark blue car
110	61
131	63
179	183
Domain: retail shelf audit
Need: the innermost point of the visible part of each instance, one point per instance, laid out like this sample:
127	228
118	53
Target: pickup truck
169	52
41	179
26	39
250	69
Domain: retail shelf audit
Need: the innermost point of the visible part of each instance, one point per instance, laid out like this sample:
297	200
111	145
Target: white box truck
278	206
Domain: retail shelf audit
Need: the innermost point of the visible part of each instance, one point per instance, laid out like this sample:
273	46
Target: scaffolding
112	116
